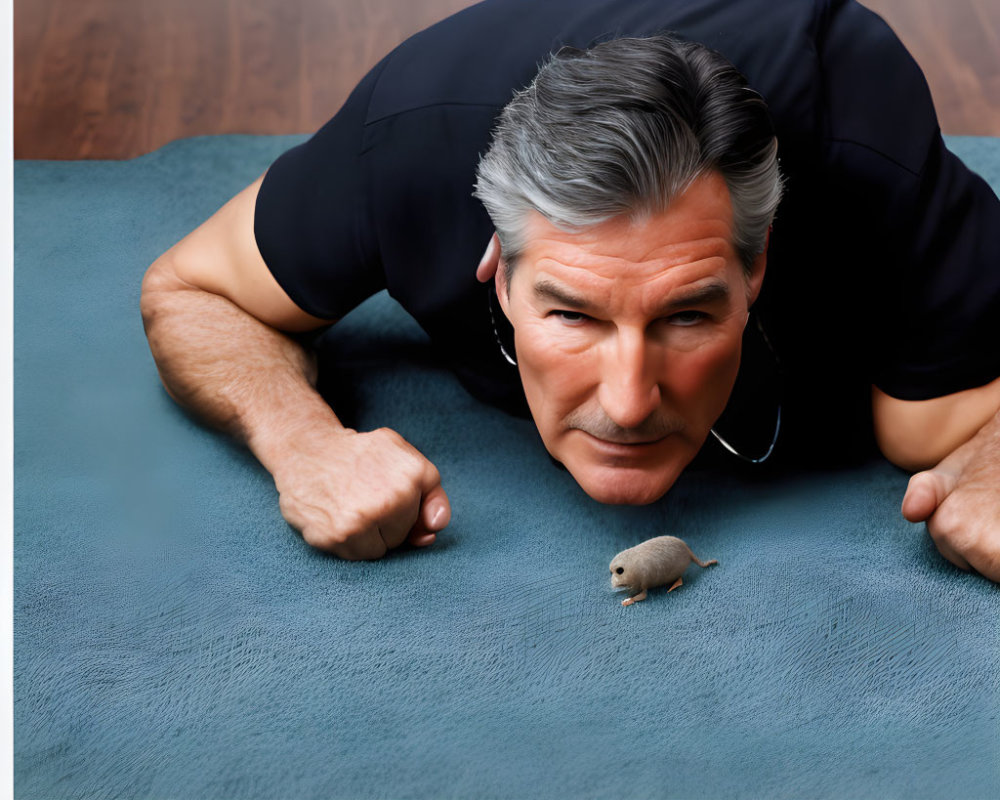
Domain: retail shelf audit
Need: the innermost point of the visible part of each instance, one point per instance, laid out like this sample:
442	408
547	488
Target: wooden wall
118	78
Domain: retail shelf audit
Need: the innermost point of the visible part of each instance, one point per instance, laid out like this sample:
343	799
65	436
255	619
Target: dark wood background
118	78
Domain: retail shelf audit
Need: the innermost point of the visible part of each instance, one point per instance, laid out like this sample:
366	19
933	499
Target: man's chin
625	486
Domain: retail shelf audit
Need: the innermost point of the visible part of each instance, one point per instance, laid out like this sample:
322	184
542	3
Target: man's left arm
952	443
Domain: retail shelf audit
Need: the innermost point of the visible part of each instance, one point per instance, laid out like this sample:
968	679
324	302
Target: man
632	183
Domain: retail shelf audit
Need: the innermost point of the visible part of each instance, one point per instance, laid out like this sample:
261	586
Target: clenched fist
960	501
359	495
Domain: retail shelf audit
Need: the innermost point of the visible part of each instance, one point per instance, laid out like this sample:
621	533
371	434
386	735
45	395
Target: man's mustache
598	424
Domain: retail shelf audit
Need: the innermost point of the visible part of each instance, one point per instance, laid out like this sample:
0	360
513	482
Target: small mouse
655	562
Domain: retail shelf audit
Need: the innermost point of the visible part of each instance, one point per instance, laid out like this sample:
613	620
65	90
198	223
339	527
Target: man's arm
955	441
214	317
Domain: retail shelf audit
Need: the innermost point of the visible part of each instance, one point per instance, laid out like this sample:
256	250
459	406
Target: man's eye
572	317
685	319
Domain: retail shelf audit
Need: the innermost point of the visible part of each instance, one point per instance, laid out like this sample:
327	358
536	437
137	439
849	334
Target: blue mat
174	638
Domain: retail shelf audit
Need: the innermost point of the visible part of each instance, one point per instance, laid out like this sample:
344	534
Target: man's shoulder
483	54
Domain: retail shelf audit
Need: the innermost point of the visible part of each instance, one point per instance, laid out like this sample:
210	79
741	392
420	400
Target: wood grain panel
957	44
118	78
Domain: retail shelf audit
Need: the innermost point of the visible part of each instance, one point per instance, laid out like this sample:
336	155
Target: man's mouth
623	444
630	440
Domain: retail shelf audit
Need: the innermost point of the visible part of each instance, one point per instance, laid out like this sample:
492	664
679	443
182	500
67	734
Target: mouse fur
655	562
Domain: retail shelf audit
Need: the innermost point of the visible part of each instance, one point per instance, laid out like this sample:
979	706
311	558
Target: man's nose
629	390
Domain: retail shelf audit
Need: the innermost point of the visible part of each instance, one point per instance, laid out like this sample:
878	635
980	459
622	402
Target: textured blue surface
175	638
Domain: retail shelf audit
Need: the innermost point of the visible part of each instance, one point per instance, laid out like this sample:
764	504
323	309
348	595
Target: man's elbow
160	279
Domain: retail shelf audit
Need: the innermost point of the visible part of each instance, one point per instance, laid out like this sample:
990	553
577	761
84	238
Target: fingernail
437	517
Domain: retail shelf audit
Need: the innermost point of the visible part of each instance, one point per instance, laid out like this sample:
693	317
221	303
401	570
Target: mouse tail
698	561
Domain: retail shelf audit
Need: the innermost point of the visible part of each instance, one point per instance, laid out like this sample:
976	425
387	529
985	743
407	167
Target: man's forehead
603	265
575	262
696	226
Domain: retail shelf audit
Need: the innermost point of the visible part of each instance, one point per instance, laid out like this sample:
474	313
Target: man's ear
757	270
488	263
502	284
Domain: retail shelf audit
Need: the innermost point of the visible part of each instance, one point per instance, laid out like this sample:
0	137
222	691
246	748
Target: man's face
628	339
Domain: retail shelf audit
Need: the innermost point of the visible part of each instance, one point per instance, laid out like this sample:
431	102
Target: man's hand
960	501
359	495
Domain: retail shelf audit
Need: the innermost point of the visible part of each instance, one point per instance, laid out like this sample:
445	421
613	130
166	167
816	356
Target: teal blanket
175	638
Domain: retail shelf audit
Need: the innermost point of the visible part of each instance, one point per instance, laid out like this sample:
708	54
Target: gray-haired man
633	183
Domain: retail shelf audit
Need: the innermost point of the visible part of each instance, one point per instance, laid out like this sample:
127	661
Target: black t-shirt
884	261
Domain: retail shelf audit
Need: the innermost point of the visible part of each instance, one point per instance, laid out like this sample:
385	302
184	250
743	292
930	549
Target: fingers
435	510
368	546
360	495
488	263
950	553
417	515
988	565
434	516
924	494
952	524
421	539
398	518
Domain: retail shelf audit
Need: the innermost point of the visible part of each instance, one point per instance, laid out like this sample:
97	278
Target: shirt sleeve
924	227
312	221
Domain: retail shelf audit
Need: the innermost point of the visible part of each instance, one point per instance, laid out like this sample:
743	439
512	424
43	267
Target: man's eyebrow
714	292
547	290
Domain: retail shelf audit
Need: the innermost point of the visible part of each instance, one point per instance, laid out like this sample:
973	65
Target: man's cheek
703	378
558	363
553	390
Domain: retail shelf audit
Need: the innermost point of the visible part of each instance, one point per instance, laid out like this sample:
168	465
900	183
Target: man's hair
622	128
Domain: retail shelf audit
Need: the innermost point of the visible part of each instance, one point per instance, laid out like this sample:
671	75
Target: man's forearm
230	369
917	434
354	494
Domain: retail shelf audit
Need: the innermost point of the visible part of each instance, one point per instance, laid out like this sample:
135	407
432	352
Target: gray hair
622	128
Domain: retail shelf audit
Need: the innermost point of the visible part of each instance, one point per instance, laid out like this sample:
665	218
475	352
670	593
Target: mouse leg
678	582
635	599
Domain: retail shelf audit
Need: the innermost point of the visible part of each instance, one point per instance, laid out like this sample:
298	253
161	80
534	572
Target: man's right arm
214	316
